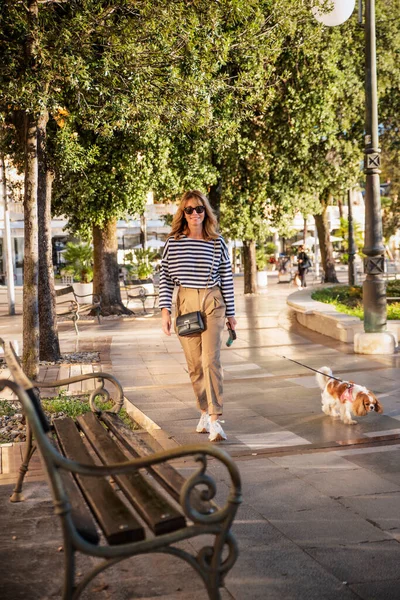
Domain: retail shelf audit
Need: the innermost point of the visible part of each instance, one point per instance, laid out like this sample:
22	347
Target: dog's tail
323	376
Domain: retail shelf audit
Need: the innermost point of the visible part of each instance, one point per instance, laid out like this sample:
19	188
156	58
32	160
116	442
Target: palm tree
79	259
343	232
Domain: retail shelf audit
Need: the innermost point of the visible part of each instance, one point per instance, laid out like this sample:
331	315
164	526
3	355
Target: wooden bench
136	292
93	461
71	305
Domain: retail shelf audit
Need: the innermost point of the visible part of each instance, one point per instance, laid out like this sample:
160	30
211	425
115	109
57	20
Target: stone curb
162	437
325	319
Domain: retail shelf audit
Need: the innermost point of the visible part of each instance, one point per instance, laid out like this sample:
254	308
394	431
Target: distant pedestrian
196	259
304	263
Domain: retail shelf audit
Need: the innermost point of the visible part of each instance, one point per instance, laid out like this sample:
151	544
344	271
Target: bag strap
209	277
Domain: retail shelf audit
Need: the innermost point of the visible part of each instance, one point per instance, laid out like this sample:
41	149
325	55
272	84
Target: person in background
196	259
304	263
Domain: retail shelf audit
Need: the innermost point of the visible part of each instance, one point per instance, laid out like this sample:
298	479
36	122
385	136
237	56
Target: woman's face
194	218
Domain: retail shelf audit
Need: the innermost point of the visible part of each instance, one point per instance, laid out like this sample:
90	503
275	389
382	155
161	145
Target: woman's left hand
232	322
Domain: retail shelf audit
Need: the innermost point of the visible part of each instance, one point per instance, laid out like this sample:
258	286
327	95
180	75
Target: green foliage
264	255
343	232
74	406
254	95
69	406
348	299
8	409
140	262
270	248
168	220
79	259
262	259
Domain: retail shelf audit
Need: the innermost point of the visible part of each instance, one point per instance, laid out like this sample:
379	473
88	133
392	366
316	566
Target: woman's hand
232	322
166	321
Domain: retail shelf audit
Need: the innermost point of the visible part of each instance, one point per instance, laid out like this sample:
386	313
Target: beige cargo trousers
203	350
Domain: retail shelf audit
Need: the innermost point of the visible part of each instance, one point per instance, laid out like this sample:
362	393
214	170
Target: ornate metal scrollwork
205	555
103	393
206	494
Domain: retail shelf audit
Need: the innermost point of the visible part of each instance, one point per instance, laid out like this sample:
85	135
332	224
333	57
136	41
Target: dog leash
349	385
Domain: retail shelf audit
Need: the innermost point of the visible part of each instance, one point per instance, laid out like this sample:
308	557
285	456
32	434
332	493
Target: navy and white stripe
187	262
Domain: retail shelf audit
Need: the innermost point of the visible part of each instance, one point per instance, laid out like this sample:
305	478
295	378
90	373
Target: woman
196	259
304	264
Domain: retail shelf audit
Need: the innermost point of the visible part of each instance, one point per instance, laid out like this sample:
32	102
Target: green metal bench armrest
96	297
100	391
73	304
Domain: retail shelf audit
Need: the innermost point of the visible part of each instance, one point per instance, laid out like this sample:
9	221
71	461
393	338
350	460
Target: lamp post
352	247
374	287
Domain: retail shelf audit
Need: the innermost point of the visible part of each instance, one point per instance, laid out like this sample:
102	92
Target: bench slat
81	515
134	443
64	291
115	519
157	511
164	473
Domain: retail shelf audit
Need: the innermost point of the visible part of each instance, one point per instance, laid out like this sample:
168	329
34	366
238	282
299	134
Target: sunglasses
189	210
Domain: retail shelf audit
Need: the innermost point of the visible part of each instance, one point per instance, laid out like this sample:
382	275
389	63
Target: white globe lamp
334	12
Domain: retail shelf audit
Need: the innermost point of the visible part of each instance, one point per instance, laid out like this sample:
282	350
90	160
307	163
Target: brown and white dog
341	398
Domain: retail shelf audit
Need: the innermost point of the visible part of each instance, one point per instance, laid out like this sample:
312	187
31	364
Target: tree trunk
340	207
106	274
325	245
214	196
250	270
30	357
305	232
49	346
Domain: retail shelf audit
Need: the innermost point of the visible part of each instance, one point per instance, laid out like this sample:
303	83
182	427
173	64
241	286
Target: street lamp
374	287
334	13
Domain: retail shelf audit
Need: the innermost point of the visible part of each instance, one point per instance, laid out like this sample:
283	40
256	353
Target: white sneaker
203	426
216	432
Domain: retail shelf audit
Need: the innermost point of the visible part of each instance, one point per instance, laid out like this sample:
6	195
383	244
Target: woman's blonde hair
179	222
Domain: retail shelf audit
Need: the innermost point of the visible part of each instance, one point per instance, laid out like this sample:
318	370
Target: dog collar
347	395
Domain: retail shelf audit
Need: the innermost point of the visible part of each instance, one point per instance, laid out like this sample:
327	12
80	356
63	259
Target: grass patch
348	299
74	406
67	406
8	409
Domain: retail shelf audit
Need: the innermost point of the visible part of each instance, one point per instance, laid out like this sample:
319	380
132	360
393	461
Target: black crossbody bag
192	322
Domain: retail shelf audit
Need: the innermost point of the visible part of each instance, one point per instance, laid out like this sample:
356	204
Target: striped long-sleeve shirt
187	262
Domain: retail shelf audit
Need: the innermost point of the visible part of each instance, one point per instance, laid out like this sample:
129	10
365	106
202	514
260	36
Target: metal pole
352	246
143	231
374	287
316	253
7	243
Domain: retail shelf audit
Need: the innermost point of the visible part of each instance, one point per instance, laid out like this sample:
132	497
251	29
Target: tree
108	171
34	56
49	346
388	48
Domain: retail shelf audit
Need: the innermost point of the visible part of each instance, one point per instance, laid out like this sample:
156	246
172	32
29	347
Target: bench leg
69	571
29	450
219	568
75	320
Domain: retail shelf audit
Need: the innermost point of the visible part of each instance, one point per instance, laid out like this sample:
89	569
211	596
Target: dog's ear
360	403
377	405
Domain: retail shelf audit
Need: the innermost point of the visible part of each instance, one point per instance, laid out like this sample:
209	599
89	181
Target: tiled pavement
321	515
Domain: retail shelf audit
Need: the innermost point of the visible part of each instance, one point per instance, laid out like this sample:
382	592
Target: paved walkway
321	514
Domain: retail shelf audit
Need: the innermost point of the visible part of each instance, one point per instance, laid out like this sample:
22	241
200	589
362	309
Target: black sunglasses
189	210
